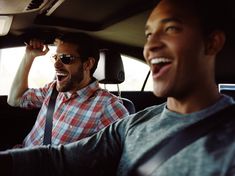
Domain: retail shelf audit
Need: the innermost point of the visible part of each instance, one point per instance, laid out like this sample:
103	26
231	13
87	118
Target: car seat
110	70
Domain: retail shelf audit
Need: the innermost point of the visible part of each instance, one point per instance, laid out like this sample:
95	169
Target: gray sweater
116	149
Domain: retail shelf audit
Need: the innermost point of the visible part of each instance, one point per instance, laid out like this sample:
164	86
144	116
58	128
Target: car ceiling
115	23
119	23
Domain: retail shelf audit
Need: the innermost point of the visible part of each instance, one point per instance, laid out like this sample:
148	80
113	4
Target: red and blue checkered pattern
76	115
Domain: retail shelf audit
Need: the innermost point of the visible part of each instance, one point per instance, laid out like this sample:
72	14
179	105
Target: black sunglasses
65	58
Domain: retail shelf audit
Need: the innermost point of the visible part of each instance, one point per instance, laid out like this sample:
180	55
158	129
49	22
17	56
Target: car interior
117	26
110	70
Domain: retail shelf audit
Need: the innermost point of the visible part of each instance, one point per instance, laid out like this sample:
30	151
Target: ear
215	43
87	65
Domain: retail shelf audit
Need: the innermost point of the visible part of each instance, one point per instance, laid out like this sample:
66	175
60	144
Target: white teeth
61	74
159	60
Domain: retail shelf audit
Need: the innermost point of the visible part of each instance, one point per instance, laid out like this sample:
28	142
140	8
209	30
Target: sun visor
5	24
8	7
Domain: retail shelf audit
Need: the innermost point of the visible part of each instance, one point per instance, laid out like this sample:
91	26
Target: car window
226	87
42	71
135	75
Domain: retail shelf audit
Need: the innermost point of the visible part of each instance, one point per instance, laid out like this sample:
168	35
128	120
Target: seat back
129	105
110	70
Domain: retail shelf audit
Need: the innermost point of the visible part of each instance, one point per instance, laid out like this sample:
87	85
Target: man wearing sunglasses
82	108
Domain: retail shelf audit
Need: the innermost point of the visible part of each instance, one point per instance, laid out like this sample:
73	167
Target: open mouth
61	76
159	65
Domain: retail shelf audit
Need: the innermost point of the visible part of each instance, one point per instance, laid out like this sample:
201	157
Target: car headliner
117	24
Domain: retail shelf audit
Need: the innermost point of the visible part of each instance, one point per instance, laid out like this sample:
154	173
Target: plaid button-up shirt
76	115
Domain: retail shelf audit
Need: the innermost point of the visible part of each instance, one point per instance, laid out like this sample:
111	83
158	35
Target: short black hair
87	46
212	14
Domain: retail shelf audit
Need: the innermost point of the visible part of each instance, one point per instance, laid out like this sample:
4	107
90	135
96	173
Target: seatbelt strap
49	117
162	153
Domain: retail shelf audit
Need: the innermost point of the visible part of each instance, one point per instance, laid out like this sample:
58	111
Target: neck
194	102
82	84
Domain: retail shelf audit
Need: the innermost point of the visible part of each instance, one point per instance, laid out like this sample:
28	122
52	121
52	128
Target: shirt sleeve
33	98
113	110
96	155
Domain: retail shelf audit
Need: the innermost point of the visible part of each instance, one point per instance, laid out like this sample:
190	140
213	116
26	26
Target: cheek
187	50
75	67
145	53
71	69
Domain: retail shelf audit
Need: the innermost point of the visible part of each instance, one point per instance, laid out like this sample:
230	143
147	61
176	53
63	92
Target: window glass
42	71
135	74
226	87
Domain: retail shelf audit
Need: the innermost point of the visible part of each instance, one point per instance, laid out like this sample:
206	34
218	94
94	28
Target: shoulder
144	116
42	91
107	96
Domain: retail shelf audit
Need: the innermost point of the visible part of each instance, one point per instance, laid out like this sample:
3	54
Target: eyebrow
172	19
167	20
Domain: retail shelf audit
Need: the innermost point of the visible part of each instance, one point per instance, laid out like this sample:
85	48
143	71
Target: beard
72	83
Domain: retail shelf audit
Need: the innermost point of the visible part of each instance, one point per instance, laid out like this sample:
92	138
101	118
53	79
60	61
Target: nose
153	45
57	63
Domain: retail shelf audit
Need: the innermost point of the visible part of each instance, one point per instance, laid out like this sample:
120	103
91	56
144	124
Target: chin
162	89
60	88
156	91
160	93
157	94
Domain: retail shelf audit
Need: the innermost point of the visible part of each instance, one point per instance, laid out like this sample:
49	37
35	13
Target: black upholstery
129	105
110	70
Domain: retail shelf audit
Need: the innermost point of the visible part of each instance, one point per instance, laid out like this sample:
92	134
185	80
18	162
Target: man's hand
36	48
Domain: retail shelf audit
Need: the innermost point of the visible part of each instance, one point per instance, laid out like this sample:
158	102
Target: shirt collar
223	102
83	93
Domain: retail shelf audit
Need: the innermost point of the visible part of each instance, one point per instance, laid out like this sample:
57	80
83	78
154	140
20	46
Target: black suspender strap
162	153
49	117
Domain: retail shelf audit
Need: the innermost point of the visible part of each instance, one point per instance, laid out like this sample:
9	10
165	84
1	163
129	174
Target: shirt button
70	126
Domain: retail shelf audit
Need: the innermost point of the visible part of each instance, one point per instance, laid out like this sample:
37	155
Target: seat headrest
110	68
